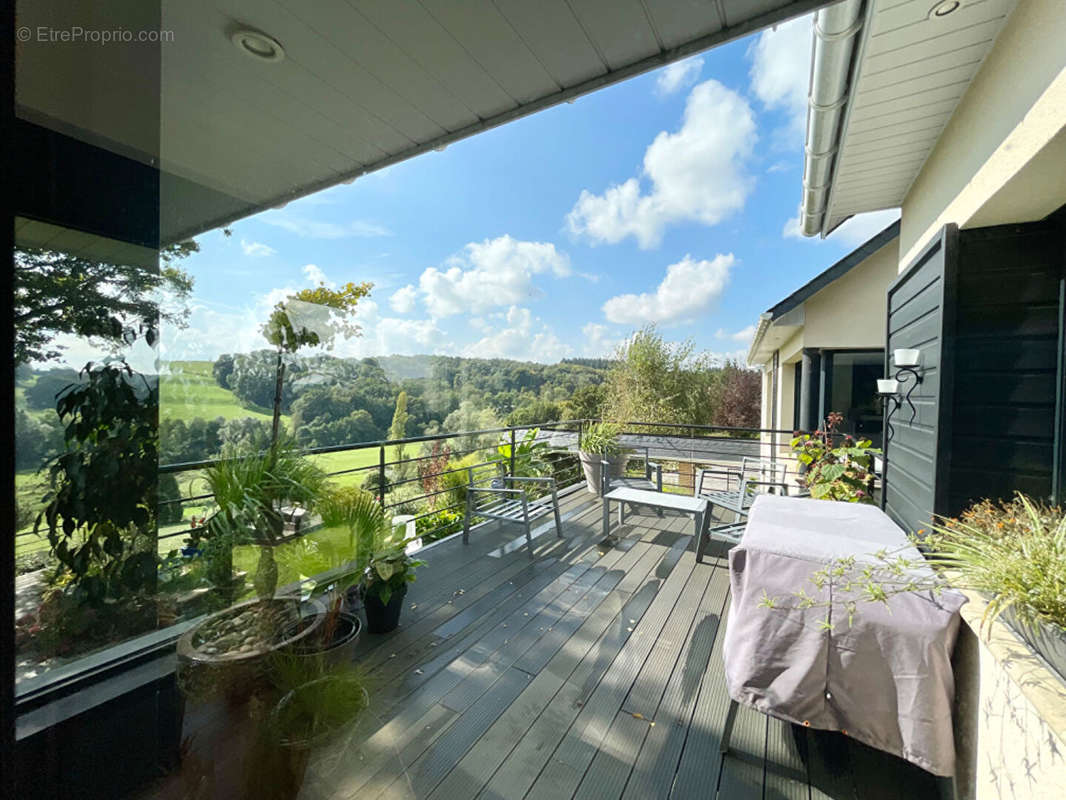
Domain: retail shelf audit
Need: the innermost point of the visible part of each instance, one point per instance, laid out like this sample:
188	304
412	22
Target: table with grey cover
885	679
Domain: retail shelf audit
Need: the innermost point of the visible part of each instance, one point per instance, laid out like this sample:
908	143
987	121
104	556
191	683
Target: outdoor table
696	506
885	679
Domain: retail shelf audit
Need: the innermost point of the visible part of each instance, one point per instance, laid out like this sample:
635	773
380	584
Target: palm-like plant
249	491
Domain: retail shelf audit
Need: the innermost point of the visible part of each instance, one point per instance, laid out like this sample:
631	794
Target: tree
586	402
309	318
110	304
44	391
535	412
658	381
398	430
103	491
222	369
739	397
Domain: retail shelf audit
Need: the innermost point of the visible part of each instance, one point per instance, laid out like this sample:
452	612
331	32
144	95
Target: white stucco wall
1010	114
848	313
851	311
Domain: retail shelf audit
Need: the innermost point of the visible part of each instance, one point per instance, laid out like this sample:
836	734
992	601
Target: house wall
1011	113
850	312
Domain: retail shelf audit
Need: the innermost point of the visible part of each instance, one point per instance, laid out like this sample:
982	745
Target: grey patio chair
755	475
652	479
498	502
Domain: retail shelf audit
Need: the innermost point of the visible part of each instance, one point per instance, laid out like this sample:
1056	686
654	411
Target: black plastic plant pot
383	617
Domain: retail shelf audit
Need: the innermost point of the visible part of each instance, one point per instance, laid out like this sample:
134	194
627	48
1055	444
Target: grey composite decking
592	672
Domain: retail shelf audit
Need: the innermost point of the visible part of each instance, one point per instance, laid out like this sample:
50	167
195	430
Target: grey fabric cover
886	680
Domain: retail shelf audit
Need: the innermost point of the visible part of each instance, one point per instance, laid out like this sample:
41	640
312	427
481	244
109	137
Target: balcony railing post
381	474
512	451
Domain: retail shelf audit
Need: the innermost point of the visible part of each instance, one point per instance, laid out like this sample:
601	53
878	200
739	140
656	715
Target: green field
189	390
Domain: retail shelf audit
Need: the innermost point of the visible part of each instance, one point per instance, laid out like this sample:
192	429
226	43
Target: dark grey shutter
921	315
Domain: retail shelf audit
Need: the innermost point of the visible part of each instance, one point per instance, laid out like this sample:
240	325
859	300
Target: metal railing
428	461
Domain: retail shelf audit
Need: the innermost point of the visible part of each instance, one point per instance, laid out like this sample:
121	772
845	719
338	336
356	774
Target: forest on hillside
330	401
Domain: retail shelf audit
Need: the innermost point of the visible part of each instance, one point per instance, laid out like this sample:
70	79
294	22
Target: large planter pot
228	653
300	722
1046	639
593	469
334	643
383	617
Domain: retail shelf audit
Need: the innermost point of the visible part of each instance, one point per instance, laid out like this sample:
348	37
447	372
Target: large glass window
851	389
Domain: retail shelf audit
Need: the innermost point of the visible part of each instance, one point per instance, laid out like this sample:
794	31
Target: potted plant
843	470
332	569
1014	552
226	651
600	441
385	586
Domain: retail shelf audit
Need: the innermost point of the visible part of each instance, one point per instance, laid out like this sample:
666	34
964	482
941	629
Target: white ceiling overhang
363	83
909	73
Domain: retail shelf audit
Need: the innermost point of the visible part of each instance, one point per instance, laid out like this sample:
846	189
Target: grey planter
1046	639
593	469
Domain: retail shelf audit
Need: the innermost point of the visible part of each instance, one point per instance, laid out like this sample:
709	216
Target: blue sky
670	198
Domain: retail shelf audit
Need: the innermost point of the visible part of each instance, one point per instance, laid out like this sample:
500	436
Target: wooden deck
591	672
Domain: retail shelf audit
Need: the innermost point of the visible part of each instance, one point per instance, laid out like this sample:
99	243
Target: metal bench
498	502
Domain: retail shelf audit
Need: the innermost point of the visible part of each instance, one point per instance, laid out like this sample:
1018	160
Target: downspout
835	38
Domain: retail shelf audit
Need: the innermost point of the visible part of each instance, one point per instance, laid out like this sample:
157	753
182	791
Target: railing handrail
185	466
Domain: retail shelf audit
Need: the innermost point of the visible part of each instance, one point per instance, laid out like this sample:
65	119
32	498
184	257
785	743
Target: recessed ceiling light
943	8
257	45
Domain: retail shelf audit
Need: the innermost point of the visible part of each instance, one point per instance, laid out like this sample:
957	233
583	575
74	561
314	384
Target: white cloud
689	289
743	335
599	341
854	232
315	275
319	229
697	174
679	75
492	273
792	228
403	300
525	338
781	69
256	249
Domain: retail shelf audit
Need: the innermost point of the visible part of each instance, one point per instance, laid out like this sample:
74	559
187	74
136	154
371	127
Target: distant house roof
819	282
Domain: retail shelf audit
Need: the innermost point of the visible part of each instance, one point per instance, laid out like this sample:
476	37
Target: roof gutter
836	32
765	318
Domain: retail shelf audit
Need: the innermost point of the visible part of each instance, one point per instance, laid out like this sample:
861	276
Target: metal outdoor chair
756	475
652	479
499	502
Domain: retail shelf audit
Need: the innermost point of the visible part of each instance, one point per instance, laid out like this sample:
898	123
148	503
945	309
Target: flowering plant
837	468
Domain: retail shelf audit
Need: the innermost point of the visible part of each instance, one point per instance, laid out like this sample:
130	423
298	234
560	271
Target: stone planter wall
1010	717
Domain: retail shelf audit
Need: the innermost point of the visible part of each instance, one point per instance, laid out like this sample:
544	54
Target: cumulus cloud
256	249
315	275
599	341
743	335
689	289
696	174
403	300
523	337
780	69
320	229
679	75
495	272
